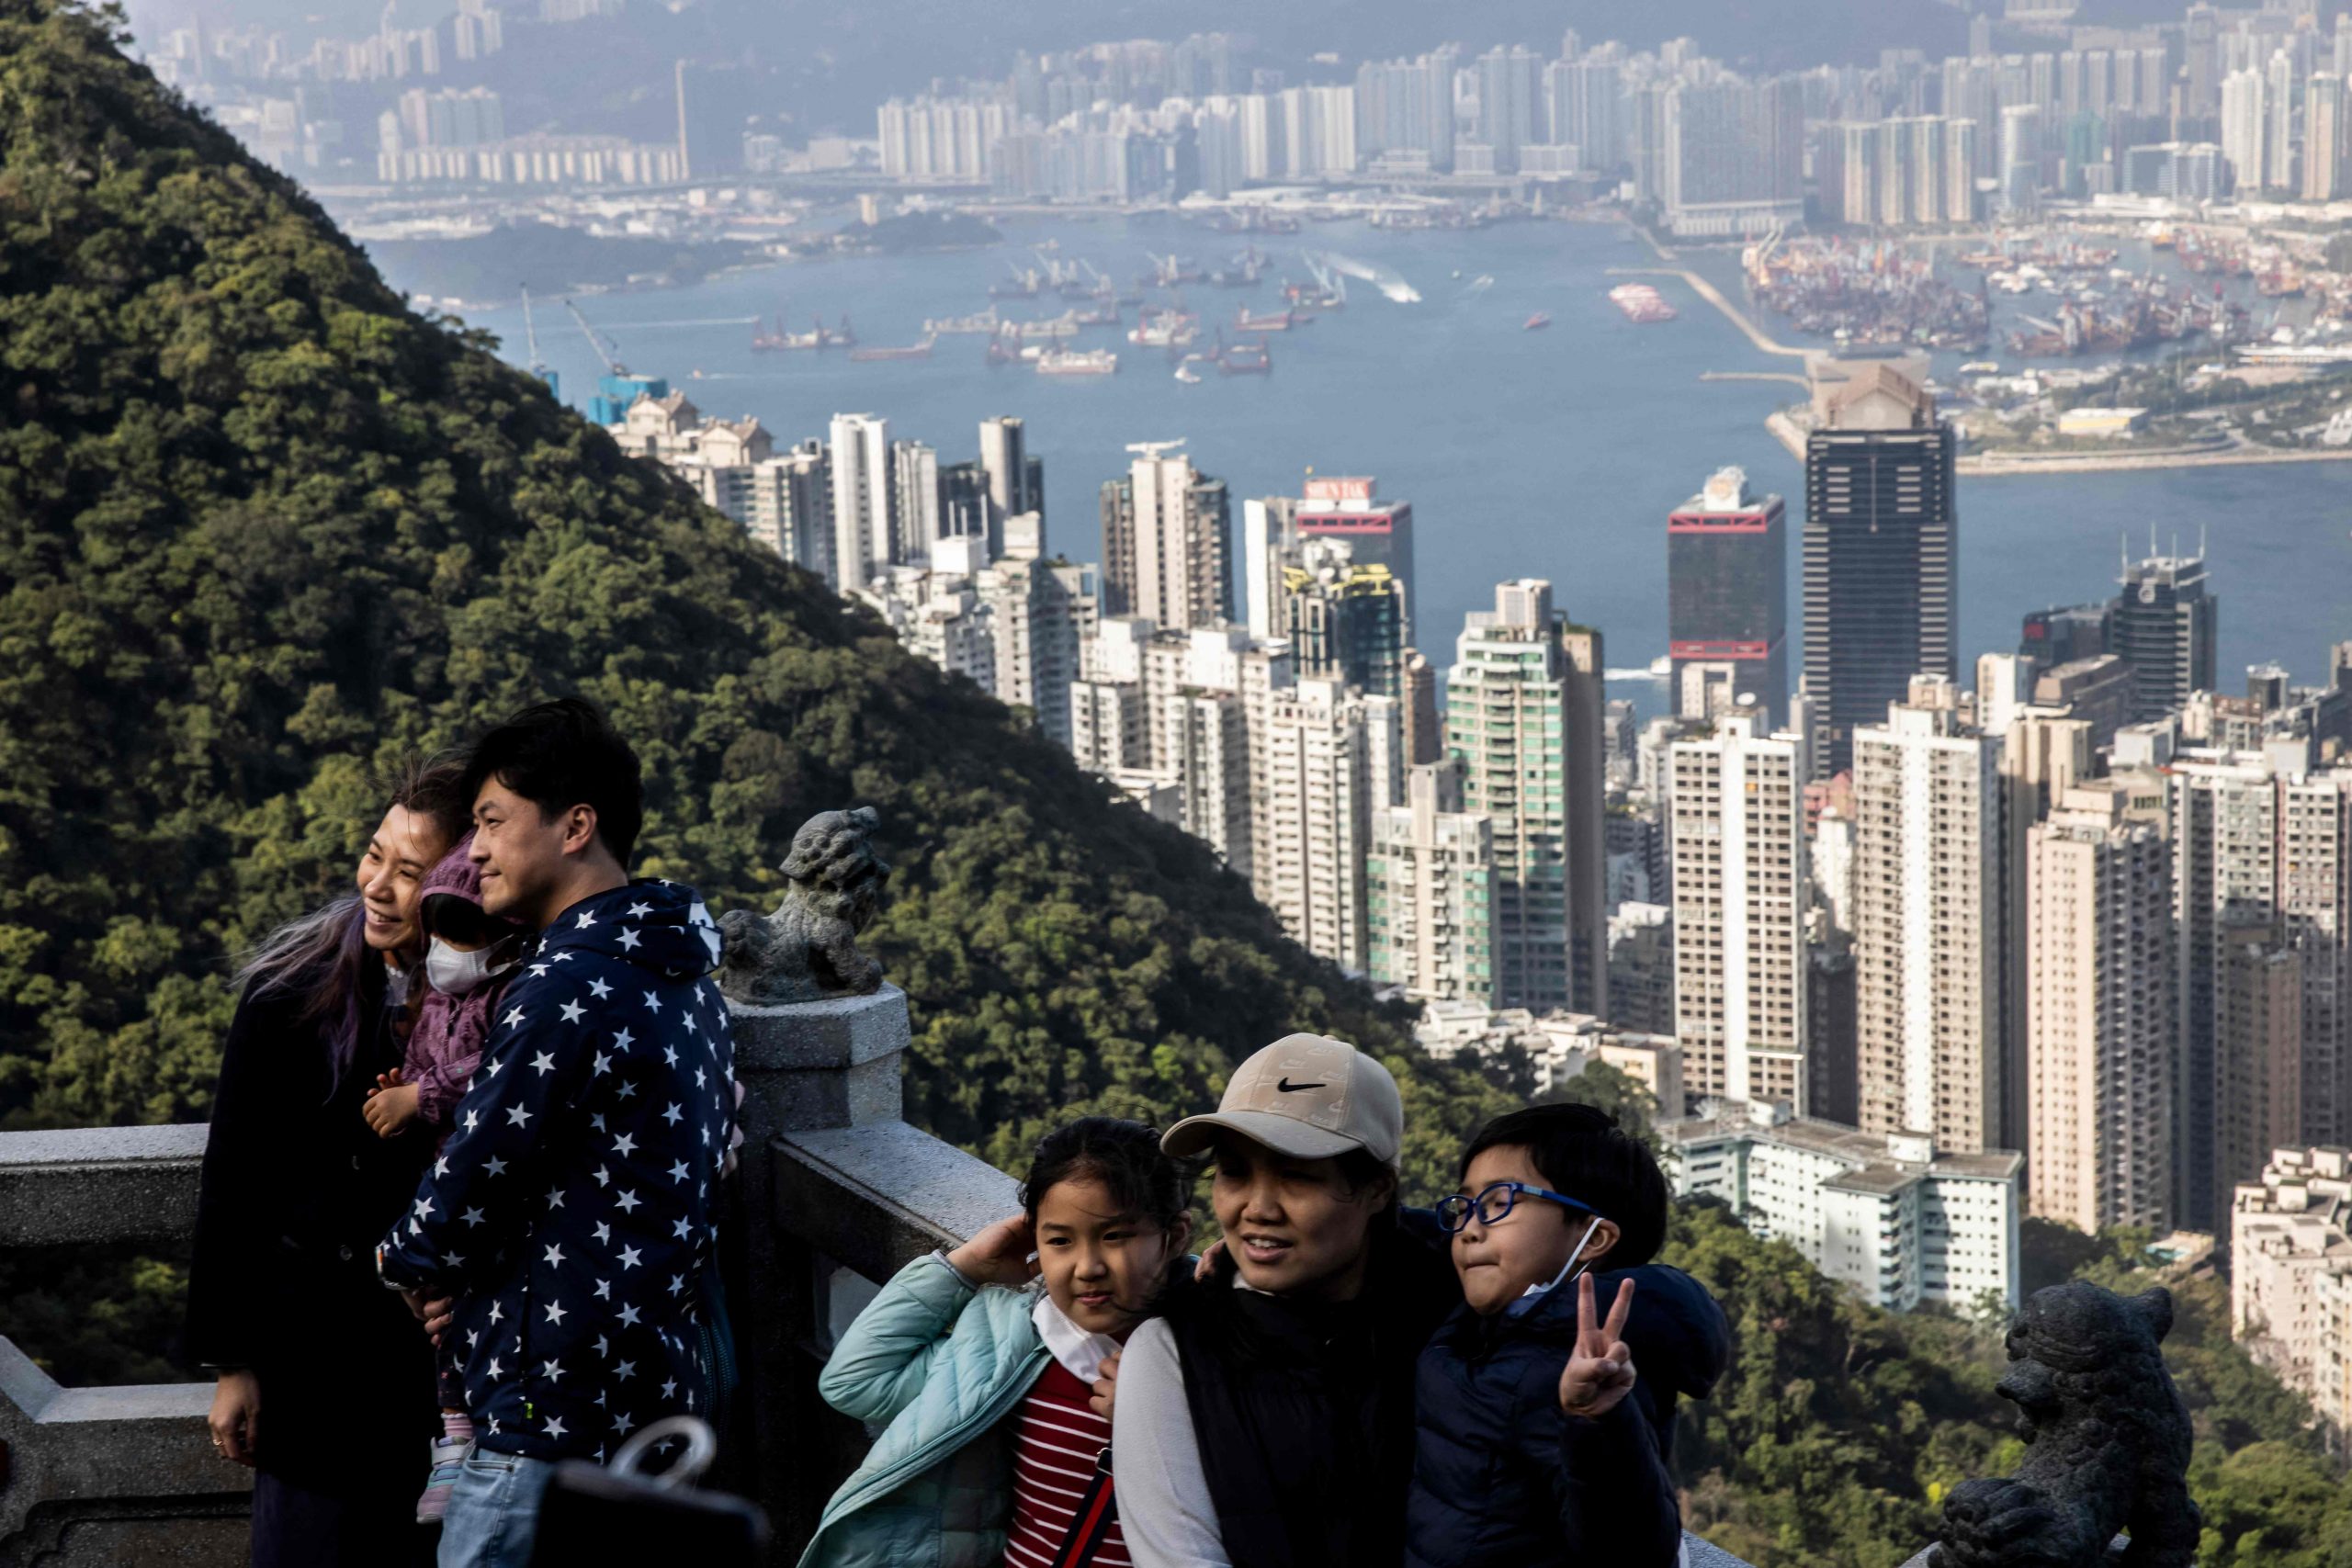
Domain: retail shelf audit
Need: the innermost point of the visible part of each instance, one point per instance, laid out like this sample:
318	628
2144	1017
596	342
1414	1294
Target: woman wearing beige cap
1269	1424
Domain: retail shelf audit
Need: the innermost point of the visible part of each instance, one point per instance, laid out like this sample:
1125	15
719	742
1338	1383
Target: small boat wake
1386	280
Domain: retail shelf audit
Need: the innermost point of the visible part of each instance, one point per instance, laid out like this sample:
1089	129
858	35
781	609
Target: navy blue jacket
1502	1479
575	1203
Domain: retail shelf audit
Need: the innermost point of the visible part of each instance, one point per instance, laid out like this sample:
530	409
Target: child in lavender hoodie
465	967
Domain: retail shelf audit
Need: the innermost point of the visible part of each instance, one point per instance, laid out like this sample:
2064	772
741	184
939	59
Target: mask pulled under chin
1568	1270
454	973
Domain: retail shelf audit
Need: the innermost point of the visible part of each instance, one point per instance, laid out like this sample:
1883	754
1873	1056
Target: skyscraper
2259	844
1379	532
2165	625
1505	720
2101	1020
1584	725
1731	159
866	495
1016	481
1510	103
1929	1013
1167	541
1738	814
1344	618
2325	139
1318	809
1726	569
1880	536
1431	891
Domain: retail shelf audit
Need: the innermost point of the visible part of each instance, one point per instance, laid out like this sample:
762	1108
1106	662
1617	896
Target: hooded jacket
575	1204
1503	1479
445	1048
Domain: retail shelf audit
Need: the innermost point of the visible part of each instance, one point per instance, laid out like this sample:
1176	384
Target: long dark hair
323	956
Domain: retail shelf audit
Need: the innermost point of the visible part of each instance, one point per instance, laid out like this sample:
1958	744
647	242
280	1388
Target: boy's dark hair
454	919
565	753
1124	1157
1581	1153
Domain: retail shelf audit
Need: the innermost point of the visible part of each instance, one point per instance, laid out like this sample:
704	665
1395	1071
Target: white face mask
1564	1268
454	973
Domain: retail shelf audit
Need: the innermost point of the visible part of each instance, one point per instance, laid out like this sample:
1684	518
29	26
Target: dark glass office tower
2163	625
1881	595
2061	634
1727	596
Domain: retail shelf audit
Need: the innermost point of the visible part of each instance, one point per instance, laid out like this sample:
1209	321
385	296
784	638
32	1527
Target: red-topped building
1728	599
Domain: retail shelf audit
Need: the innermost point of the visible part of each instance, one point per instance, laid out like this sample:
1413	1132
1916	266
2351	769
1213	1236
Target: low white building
1560	1045
1885	1213
2291	1272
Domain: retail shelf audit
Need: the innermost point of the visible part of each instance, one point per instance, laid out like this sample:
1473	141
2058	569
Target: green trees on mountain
262	529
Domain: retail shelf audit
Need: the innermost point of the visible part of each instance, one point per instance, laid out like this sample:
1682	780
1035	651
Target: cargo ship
1640	302
1243	358
1279	321
913	351
984	324
1164	329
1077	362
819	336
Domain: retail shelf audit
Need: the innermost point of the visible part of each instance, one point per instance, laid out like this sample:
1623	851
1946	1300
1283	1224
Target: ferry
1641	303
1536	321
1077	362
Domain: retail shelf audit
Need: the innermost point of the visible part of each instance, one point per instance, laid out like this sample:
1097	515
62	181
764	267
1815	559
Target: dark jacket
1503	1480
1302	1410
295	1192
575	1204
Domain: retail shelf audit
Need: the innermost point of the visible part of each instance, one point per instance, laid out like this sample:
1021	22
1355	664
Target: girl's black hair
1124	1157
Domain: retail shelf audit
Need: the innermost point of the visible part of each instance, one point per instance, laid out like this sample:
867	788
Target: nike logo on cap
1286	1086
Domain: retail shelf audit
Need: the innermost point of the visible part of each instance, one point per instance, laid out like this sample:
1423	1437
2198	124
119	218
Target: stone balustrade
836	1193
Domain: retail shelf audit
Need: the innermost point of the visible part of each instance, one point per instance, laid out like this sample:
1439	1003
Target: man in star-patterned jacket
572	1211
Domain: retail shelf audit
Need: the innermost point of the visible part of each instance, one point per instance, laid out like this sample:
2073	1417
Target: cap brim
1279	1134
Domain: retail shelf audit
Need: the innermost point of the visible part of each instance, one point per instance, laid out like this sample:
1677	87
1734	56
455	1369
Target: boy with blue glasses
1543	1428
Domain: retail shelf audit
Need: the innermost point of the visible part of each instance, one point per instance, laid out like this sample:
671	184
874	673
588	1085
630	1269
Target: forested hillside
261	530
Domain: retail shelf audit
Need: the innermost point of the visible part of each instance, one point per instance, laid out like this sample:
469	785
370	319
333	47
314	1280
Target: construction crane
606	350
531	337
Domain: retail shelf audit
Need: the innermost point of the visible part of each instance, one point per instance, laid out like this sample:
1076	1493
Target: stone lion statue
806	951
2110	1435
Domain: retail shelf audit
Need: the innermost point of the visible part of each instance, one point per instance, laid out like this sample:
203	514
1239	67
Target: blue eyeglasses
1498	1198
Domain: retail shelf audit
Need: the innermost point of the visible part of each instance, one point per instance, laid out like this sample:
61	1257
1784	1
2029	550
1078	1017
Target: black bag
596	1513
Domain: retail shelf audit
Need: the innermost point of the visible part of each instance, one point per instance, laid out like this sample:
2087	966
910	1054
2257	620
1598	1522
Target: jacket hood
659	927
458	876
1676	1330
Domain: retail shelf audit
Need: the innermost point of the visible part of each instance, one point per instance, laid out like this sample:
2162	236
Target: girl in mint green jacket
989	1366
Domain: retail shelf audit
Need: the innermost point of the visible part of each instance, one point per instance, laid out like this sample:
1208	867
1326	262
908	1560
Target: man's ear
580	829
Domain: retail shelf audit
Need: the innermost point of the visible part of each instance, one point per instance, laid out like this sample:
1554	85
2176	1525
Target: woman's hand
1601	1372
392	1104
1106	1386
998	1254
235	1417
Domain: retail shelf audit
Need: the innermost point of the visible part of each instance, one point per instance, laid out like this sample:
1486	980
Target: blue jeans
494	1514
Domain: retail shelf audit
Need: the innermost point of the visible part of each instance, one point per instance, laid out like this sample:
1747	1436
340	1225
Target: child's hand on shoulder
392	1104
1600	1372
999	1255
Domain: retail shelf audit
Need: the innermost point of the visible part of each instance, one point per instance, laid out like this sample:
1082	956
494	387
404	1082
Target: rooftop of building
1864	1152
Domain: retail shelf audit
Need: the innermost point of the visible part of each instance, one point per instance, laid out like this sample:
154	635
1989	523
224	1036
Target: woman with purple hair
325	1384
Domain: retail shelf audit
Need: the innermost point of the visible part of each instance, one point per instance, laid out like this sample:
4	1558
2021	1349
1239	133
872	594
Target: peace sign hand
1600	1371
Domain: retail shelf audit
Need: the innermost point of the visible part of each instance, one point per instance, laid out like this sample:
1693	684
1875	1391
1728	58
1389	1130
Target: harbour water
1552	453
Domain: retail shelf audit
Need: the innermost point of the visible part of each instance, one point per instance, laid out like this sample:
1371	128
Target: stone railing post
836	1191
805	1066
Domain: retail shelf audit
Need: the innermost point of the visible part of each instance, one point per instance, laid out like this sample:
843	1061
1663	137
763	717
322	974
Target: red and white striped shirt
1054	1449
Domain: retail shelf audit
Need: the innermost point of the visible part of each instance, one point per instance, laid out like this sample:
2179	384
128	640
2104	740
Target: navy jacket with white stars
575	1203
